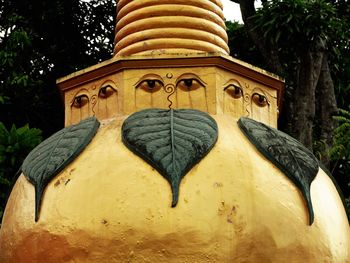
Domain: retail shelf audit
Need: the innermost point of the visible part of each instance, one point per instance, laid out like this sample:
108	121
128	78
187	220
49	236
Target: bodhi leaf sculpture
290	156
55	153
172	141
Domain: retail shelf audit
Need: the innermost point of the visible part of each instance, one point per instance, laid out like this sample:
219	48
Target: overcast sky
232	11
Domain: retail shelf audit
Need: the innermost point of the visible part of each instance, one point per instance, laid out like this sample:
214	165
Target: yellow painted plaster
234	206
209	92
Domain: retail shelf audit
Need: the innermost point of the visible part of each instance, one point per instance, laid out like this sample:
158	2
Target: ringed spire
170	26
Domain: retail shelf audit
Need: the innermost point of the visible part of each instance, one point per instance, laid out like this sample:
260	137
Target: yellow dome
109	205
170	26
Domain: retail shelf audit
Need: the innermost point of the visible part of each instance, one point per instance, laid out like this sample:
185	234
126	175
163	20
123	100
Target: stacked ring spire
170	26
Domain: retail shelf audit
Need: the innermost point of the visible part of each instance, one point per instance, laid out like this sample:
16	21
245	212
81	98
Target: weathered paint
235	206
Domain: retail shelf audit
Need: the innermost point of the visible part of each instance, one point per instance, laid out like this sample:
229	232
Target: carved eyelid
261	95
146	77
80	94
107	88
84	99
237	91
232	82
191	76
233	85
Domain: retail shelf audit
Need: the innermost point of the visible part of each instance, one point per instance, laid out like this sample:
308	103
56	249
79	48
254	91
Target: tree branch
268	50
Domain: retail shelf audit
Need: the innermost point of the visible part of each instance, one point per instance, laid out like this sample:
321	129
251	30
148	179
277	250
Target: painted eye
260	100
105	92
189	84
150	85
80	101
234	91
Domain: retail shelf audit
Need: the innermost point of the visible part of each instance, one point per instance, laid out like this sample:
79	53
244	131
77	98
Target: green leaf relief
172	141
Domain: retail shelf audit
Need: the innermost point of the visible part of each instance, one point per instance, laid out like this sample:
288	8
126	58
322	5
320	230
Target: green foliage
304	22
42	40
15	144
340	154
295	27
342	78
241	46
341	148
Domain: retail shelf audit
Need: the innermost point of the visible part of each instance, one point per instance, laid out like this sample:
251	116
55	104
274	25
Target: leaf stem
172	137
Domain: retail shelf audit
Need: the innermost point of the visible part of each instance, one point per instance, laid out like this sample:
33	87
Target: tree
340	153
308	43
241	46
300	40
14	147
41	40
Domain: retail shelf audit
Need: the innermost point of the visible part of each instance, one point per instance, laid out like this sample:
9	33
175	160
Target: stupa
171	154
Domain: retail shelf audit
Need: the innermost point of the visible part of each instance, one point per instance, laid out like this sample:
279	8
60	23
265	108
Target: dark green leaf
289	155
172	141
55	153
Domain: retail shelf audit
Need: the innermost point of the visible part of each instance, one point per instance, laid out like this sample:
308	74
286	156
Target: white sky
232	11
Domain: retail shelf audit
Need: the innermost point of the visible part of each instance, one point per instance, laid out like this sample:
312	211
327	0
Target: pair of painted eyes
257	98
155	84
82	100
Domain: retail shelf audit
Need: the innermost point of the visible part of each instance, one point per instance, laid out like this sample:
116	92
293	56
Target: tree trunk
327	108
304	97
300	100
